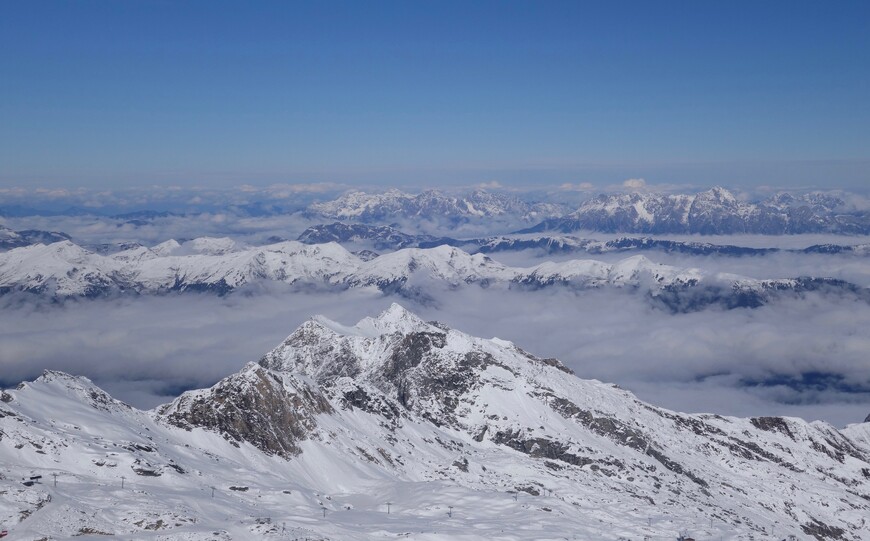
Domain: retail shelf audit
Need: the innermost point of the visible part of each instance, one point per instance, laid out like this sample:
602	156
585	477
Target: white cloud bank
738	362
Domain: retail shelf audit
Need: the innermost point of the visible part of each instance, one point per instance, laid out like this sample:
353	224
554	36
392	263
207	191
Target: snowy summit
465	437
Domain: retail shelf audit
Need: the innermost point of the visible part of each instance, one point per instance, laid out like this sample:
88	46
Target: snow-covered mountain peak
49	376
397	358
325	349
65	250
633	266
340	422
445	263
166	248
719	194
394	319
76	388
211	245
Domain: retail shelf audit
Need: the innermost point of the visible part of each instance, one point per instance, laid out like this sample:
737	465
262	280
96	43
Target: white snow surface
466	438
64	269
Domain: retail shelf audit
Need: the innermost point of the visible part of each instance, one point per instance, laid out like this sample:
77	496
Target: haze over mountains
713	212
460	434
716	211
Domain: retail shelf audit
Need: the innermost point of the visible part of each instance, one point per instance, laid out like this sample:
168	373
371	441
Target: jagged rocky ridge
439	415
713	212
431	205
221	266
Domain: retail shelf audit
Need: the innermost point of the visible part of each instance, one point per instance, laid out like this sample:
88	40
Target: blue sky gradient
99	93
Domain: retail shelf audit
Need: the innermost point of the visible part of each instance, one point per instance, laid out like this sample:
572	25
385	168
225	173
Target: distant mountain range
383	237
64	269
15	239
400	428
431	205
713	212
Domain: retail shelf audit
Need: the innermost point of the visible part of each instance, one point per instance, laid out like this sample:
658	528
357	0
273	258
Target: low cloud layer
737	362
805	357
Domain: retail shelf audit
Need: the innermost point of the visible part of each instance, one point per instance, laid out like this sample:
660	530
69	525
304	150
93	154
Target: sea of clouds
803	356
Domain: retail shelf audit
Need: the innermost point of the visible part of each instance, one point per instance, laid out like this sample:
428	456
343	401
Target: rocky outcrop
271	411
395	400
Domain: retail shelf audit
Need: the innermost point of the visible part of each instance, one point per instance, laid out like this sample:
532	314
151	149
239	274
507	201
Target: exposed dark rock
772	424
822	531
140	447
411	351
254	407
539	447
556	363
141	467
374	404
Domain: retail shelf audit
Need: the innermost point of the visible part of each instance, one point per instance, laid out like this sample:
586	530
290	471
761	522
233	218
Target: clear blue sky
123	92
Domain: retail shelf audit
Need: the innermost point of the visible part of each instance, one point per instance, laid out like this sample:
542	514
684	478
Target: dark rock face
358	397
410	352
428	384
822	531
772	424
269	411
867	419
540	447
220	287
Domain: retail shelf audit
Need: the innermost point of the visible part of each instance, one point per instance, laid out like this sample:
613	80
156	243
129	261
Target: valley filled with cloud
800	353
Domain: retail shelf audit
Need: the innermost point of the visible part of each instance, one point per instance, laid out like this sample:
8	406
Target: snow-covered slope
64	269
466	438
443	264
61	269
713	212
